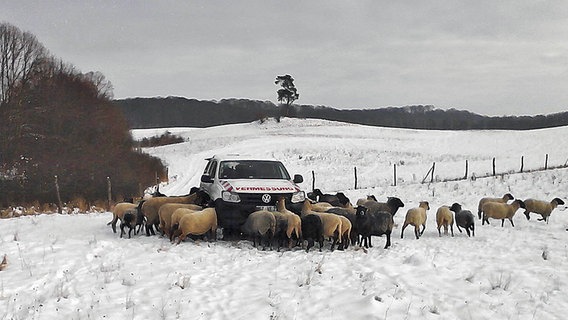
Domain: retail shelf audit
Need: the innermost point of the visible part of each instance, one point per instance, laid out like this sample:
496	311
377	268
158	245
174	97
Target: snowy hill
75	267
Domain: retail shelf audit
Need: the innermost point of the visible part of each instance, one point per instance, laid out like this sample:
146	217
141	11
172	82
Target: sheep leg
181	238
370	241
333	243
452	229
511	219
121	229
364	241
502	222
310	244
417	232
439	233
388	244
423	228
113	222
460	230
528	214
402	232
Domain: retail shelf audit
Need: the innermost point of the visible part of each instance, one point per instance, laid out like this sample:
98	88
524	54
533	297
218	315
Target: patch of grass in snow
503	281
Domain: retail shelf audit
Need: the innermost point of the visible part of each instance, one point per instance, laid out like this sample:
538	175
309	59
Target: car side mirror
206	178
298	178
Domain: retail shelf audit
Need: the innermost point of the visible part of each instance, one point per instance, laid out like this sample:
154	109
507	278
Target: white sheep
445	218
198	223
506	197
498	210
544	208
416	217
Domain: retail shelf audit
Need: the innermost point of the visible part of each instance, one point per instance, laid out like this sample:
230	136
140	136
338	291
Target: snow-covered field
74	267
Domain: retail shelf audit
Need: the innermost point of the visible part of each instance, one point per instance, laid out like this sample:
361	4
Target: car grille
256	198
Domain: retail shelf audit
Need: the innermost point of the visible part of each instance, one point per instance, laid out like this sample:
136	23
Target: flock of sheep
320	217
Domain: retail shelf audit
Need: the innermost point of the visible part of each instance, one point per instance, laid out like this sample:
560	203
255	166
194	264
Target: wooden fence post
355	172
428	173
59	204
313	180
466	169
522	163
109	193
546	162
394	184
493	166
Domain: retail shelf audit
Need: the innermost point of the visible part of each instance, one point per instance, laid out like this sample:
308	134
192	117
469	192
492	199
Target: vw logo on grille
266	198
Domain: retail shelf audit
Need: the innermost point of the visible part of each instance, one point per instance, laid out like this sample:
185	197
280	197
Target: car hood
259	186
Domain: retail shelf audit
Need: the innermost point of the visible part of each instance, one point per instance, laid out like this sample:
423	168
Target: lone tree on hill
288	93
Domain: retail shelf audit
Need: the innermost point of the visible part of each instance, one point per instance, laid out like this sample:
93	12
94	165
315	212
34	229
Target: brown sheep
544	208
332	224
506	197
416	217
174	222
497	210
167	210
118	213
346	227
151	207
198	223
445	218
294	222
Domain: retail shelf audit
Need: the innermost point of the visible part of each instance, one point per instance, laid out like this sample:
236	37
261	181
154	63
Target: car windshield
252	169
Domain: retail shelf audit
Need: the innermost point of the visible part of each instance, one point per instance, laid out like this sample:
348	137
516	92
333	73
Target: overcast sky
489	57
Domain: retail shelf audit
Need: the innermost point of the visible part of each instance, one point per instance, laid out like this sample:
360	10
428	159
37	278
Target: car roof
238	156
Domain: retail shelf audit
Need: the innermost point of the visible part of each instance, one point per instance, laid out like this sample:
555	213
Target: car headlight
230	196
299	196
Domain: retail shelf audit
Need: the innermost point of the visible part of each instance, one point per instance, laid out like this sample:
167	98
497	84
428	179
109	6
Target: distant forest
182	112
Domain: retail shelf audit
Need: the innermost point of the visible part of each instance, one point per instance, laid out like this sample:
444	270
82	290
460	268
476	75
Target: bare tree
19	54
104	86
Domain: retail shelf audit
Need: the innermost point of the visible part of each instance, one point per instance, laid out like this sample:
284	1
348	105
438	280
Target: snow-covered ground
74	267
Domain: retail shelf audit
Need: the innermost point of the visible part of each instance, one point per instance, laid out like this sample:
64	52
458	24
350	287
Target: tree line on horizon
57	121
162	112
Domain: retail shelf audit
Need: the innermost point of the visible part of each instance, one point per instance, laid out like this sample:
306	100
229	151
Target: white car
240	185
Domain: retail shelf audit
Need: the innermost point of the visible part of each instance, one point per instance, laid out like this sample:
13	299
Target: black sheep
464	219
128	220
140	217
312	230
392	205
373	224
337	200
